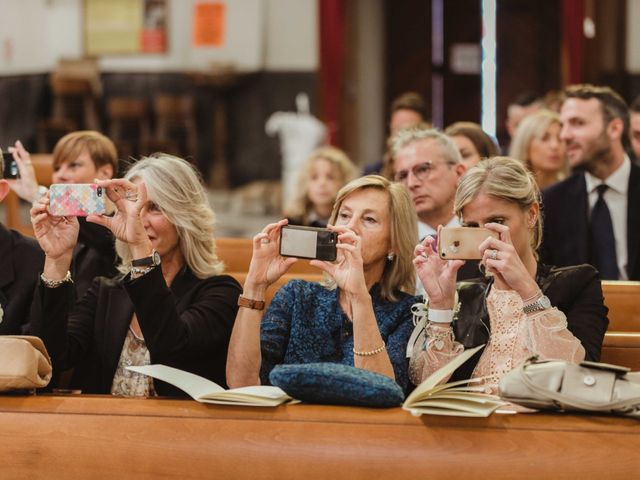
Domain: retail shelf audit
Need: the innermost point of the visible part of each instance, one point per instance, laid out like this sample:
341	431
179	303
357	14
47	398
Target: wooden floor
94	437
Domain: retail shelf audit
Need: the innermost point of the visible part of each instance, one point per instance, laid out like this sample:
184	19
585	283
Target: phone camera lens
99	191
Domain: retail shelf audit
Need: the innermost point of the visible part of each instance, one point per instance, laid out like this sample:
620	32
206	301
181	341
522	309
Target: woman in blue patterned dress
360	315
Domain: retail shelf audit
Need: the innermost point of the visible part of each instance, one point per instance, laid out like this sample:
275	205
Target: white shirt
424	230
616	198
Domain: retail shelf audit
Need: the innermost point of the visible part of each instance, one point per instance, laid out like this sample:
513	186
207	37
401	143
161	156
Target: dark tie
603	242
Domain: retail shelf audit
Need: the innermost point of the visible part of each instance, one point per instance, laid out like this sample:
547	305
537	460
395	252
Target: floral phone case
76	200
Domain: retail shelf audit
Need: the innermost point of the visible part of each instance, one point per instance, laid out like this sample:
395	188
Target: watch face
545	302
156	258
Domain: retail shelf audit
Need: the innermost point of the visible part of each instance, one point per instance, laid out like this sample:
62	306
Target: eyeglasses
421	171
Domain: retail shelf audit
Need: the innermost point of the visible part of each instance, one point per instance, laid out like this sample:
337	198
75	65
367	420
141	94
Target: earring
391	256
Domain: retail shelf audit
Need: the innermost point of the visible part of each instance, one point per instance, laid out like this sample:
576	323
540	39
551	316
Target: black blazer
21	261
565	208
576	291
187	326
94	256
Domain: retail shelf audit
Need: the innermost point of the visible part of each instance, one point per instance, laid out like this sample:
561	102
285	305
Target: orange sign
208	24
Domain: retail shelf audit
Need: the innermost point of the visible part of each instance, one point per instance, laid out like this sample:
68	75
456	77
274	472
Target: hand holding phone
308	242
76	200
462	243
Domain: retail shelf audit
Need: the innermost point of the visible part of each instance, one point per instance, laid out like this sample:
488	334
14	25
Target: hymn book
461	398
206	391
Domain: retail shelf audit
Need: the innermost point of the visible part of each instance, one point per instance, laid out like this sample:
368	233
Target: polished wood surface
623	300
75	437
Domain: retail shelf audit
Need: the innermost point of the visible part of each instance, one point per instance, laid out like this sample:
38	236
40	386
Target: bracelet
440	316
137	272
370	352
56	283
532	297
250	303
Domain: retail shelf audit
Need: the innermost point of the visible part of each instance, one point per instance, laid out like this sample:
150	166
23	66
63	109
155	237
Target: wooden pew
622	341
236	254
80	437
43	165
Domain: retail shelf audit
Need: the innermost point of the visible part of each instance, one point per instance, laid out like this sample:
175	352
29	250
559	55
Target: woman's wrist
254	291
57	268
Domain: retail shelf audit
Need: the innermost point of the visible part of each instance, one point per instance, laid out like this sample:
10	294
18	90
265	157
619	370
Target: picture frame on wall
113	27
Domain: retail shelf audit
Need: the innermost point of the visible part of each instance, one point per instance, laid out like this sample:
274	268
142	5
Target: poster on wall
124	26
208	24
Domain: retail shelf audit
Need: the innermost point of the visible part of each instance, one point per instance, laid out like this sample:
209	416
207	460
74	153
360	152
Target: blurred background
200	79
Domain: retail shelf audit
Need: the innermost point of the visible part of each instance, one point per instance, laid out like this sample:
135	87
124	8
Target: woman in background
472	142
324	173
537	143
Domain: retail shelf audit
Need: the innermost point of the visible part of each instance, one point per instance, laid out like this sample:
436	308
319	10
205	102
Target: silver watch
542	303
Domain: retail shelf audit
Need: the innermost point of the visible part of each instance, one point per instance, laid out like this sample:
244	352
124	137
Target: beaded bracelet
370	352
56	283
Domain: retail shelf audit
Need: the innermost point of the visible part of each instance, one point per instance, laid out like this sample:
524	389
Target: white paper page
195	385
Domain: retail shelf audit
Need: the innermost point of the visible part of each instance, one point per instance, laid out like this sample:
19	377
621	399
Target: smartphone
10	170
461	243
76	200
308	242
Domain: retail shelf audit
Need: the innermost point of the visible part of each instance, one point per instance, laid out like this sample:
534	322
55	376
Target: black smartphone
308	242
10	166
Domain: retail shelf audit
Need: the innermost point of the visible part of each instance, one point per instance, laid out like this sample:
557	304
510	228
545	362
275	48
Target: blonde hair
176	189
300	207
398	274
533	126
503	178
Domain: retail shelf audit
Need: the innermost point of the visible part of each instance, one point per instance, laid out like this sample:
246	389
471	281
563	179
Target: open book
461	398
206	391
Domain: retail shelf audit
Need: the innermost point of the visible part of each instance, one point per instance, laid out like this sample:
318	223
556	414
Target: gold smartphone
461	243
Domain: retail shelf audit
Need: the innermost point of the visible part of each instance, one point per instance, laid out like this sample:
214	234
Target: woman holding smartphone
521	307
169	305
359	316
78	157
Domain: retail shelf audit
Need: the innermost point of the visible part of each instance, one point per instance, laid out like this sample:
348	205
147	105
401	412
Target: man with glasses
429	165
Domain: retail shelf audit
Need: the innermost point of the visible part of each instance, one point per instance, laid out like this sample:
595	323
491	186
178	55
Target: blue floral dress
305	324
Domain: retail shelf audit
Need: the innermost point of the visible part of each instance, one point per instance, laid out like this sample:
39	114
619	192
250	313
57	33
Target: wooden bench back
623	300
236	254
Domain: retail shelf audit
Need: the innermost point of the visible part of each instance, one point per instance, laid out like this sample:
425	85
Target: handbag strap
624	404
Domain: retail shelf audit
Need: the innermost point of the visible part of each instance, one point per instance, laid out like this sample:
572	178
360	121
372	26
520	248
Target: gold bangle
370	352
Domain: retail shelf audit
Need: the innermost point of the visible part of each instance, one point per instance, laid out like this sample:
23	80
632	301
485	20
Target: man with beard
594	215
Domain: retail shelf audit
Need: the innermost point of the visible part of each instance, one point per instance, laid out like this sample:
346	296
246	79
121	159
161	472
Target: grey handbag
563	386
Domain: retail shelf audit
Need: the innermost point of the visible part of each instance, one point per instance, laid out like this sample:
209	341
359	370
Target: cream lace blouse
515	336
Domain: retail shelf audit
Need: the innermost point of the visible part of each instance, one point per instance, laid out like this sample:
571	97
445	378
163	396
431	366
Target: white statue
300	133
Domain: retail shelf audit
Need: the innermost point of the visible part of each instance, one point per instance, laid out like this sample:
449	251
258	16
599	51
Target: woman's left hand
129	199
500	257
347	270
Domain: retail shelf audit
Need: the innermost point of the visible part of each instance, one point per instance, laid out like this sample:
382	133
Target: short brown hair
611	103
485	146
100	148
410	101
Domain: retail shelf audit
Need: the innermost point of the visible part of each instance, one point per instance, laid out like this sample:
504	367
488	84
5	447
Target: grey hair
415	133
176	189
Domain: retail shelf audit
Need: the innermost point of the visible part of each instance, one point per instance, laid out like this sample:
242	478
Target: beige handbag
559	385
24	363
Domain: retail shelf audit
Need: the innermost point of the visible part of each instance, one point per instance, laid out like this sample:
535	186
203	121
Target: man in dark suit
21	261
594	215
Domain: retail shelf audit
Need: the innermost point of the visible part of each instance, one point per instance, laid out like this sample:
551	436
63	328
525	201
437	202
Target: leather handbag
24	363
563	386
